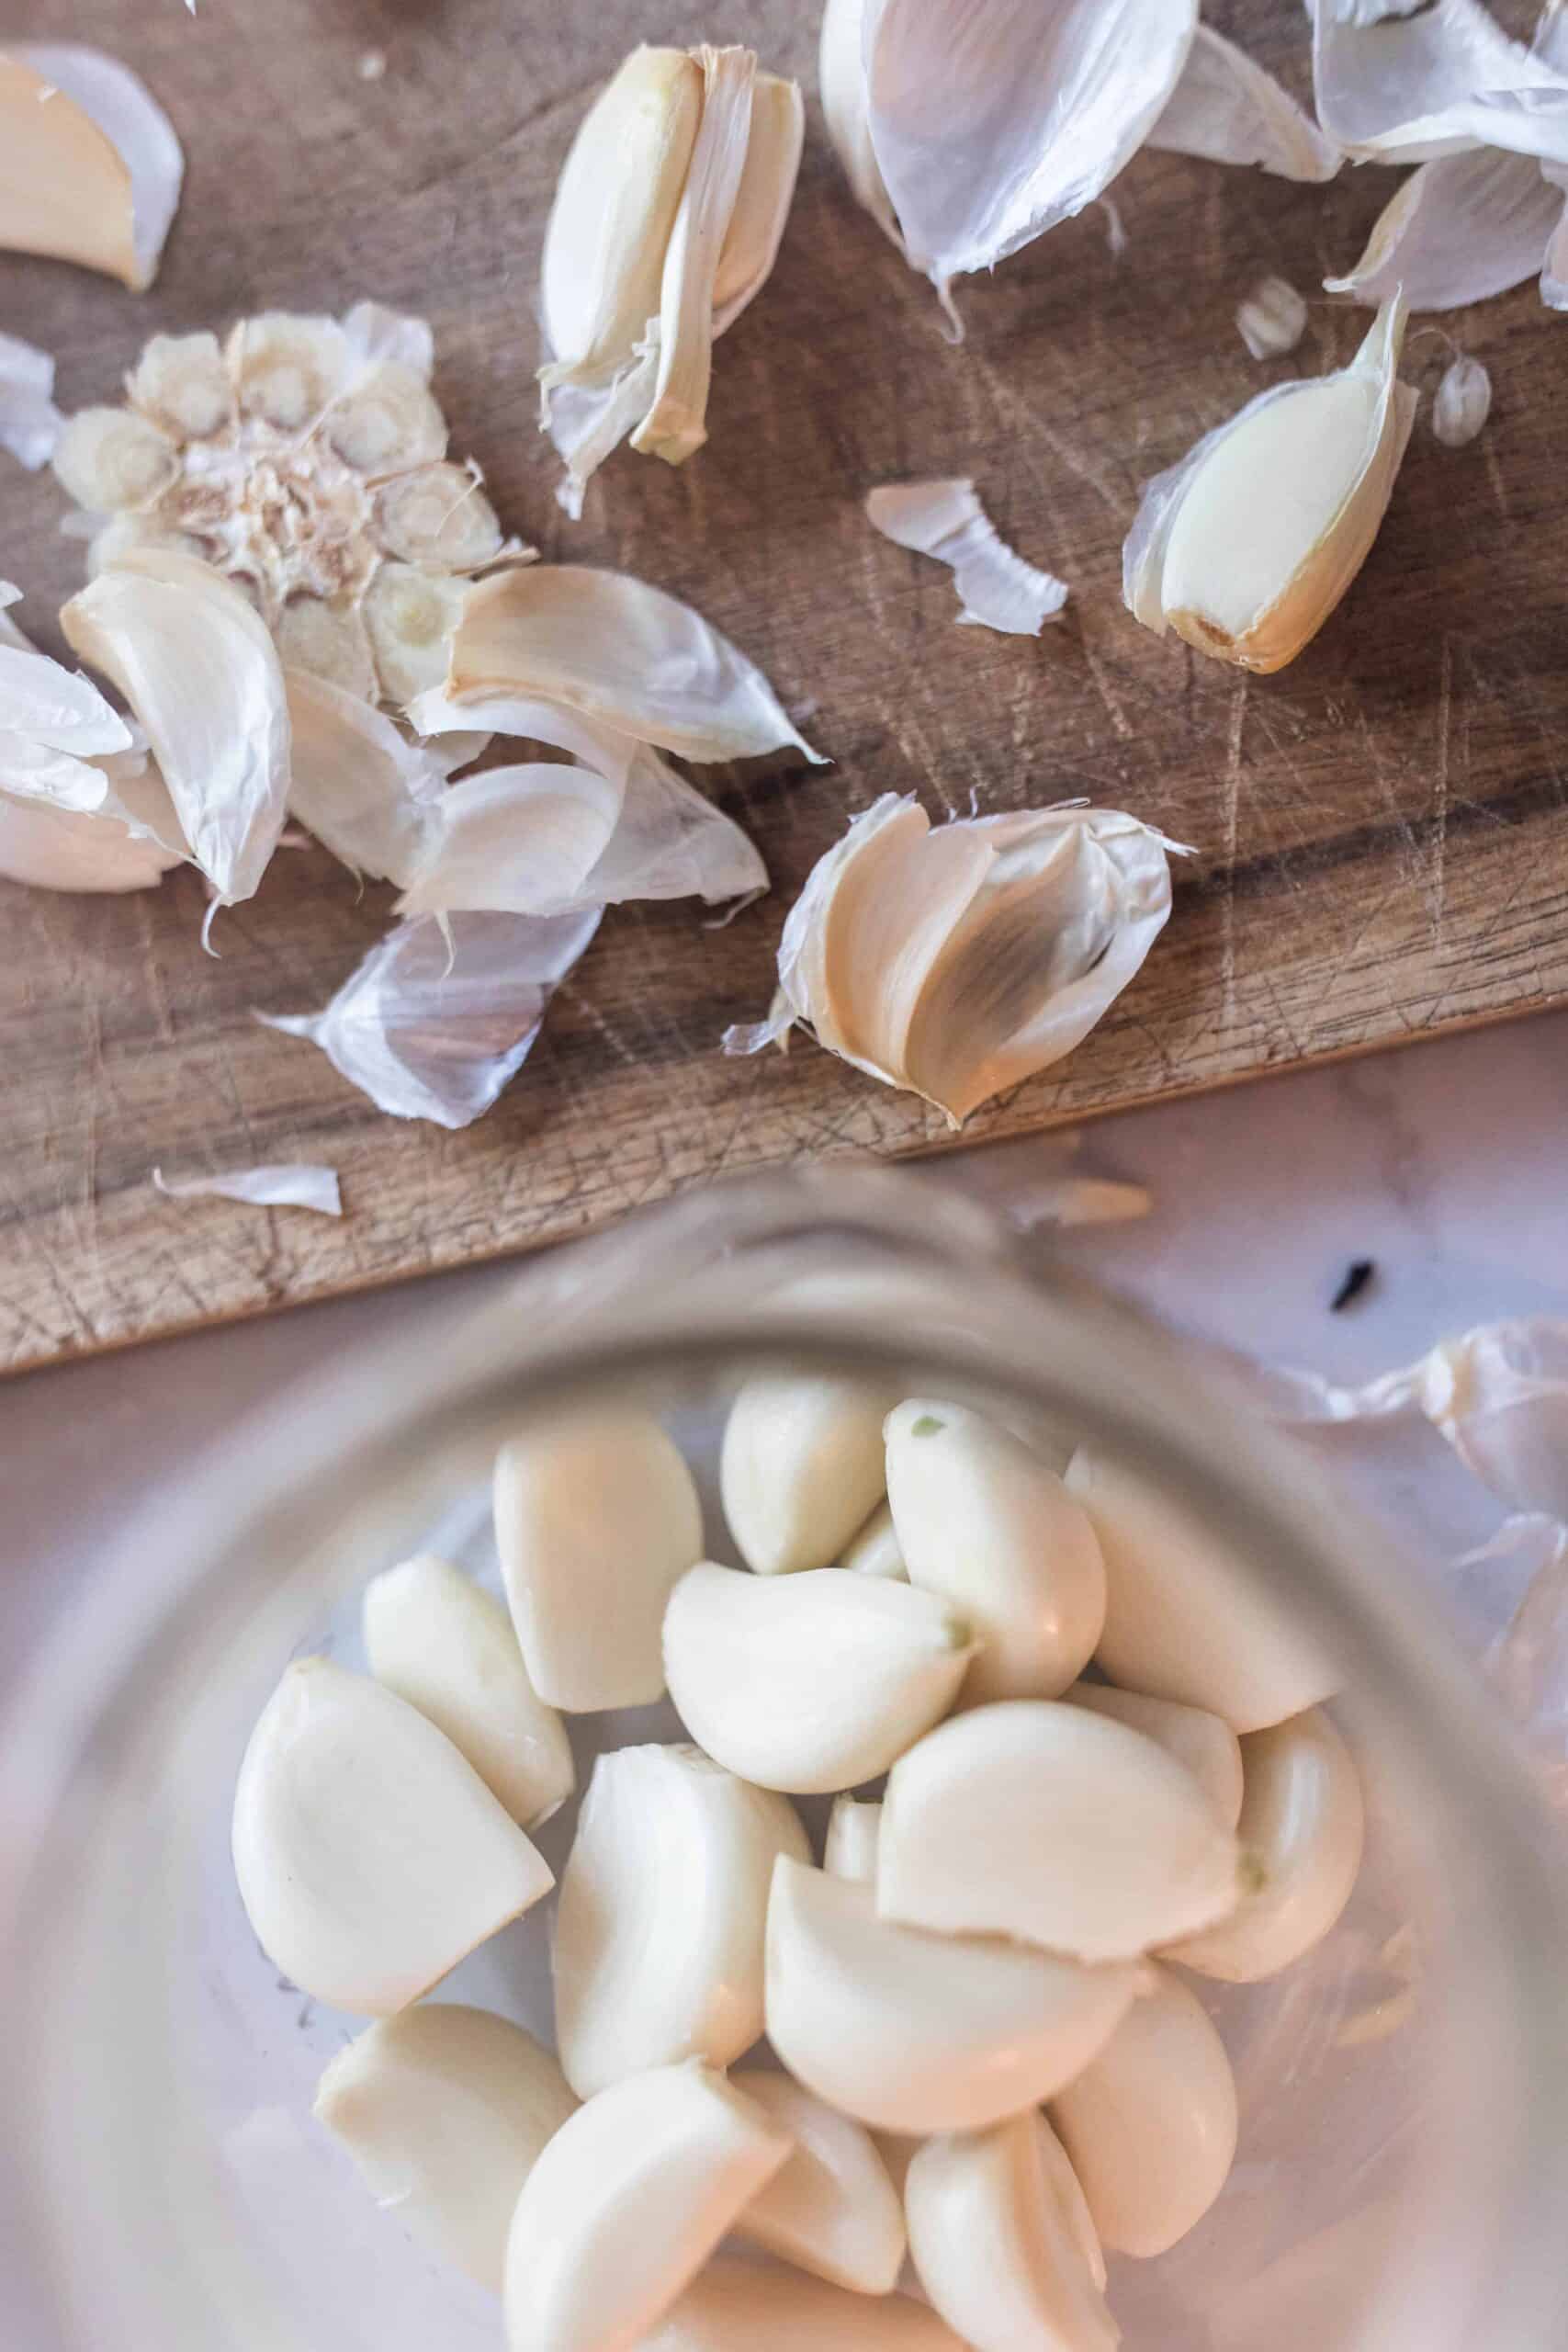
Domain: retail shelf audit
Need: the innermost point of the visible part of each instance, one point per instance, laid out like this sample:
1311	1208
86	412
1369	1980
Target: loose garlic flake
1406	88
1272	319
367	795
1246	545
958	960
30	422
801	1467
1459	229
290	1184
832	2210
1230	111
734	2307
1462	402
996	588
90	168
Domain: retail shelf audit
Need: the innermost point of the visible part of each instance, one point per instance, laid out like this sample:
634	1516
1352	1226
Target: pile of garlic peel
991	2060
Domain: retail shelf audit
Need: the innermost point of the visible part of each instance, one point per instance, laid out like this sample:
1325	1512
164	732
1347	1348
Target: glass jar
1404	2159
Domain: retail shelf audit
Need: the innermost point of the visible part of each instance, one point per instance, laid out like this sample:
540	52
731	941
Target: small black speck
1357	1275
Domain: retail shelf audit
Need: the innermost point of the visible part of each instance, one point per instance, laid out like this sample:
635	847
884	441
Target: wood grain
1379	830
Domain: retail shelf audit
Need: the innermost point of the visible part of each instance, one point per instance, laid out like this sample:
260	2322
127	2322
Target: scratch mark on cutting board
1440	788
1495	475
1102	685
1238	720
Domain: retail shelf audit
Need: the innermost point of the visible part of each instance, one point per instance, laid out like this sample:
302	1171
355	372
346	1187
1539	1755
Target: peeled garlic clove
1003	2242
913	2032
439	517
1047	1822
1246	545
983	1521
802	1468
444	2111
626	2204
597	1519
370	1856
181	385
1150	2124
1200	1741
663	1902
112	461
288	368
1462	402
90	168
1302	1827
1184	1619
326	641
386	422
1272	319
832	2209
853	1830
874	1552
811	1682
410	616
762	200
735	2307
433	1636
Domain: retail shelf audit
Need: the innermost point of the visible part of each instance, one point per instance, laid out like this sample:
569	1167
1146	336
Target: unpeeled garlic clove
832	2208
840	81
1301	1828
1184	1619
913	2032
1003	2242
811	1682
626	2204
762	200
733	2307
1150	2124
445	2109
802	1468
663	1903
1200	1741
853	1831
112	461
596	1518
433	1636
410	616
874	1552
287	367
1246	545
370	1856
181	384
1034	1819
387	421
438	517
983	1521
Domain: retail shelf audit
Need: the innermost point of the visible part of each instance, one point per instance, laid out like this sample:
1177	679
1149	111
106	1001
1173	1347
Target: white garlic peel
1200	1742
1458	230
1030	1818
626	2204
832	2208
659	1934
1272	319
853	1830
735	2307
1246	545
92	168
874	1551
1301	1828
801	1468
1462	402
596	1518
447	1648
996	588
1003	2241
1228	109
30	422
1150	2124
912	2033
370	1856
1396	87
291	1184
444	2111
811	1682
1184	1617
983	1521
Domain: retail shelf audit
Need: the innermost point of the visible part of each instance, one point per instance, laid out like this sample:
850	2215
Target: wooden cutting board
1379	829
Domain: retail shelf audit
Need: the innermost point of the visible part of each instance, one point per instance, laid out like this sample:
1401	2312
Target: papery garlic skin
432	1636
626	2204
1246	545
832	2208
912	2033
62	849
996	588
801	1467
658	1936
30	422
370	1856
1272	319
1458	230
1227	109
1150	2124
1200	1741
855	1830
1003	2241
981	1520
811	1682
734	2307
1030	1818
1462	402
874	1550
841	82
446	2109
1301	1828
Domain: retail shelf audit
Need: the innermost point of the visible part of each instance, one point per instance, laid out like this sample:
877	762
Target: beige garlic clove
811	1682
854	1832
1034	1819
386	421
597	1518
371	1858
439	517
410	616
1150	2124
181	384
445	2109
288	368
762	200
832	2210
626	2204
1301	1828
433	1636
663	1905
801	1467
983	1521
1184	1617
1003	2241
64	188
874	1552
912	2033
326	641
1200	1741
131	534
112	461
735	2307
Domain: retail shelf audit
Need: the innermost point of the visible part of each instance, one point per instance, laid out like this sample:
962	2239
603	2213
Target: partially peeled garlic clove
832	2208
663	1903
1150	2124
874	1551
445	2109
802	1468
811	1682
1030	1818
90	168
854	1832
626	2204
912	2033
1200	1741
371	1858
733	2307
1003	2241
